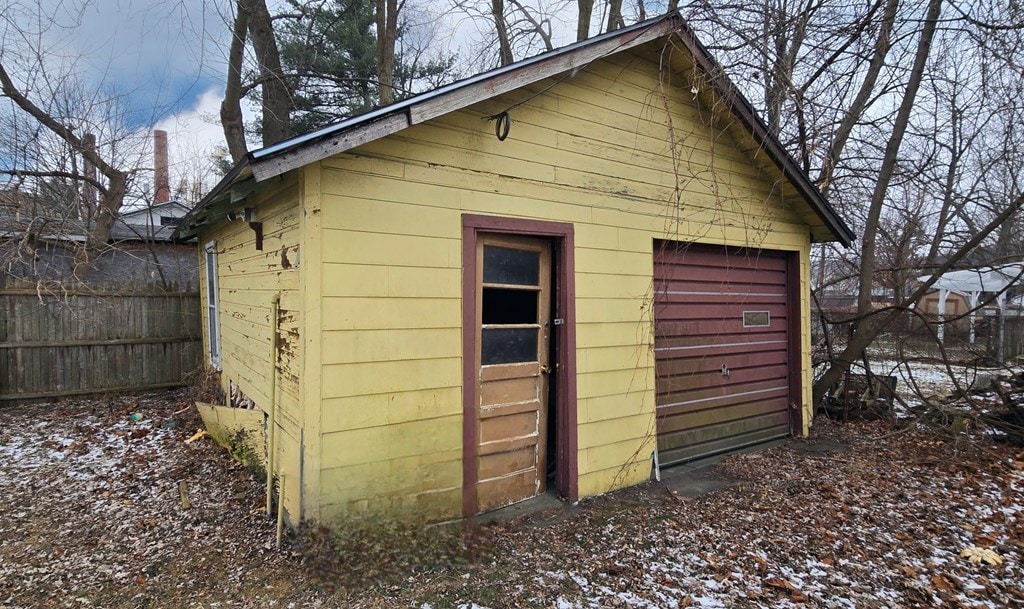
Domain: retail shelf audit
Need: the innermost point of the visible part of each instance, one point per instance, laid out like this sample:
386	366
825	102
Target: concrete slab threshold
689	480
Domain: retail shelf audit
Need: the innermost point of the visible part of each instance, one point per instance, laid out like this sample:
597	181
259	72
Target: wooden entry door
513	309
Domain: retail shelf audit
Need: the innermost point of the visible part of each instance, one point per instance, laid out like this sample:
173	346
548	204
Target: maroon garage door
721	342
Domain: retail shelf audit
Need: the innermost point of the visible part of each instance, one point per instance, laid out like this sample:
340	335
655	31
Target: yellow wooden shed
544	278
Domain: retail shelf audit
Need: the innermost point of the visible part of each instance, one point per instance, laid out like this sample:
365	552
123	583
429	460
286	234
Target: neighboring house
964	293
35	247
474	311
155	222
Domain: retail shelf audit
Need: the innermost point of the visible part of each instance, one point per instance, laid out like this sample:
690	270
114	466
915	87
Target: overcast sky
168	57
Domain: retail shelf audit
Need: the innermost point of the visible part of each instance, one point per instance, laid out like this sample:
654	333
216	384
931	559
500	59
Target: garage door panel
714	291
687	449
701	295
777	423
702	255
737	363
727	312
683	277
737	377
678	420
702	327
739	343
720	395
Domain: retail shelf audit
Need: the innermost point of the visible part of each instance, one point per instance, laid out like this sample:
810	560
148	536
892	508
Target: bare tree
906	139
614	15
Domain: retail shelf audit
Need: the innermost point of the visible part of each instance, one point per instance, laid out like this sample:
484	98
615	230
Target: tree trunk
614	15
501	27
112	196
586	12
277	99
890	158
869	324
387	34
231	107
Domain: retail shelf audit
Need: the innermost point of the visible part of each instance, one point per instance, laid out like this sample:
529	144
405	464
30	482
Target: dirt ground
91	515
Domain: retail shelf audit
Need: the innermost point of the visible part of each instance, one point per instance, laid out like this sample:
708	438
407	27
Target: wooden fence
79	341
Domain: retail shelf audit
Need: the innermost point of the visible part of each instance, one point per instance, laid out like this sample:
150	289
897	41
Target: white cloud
193	135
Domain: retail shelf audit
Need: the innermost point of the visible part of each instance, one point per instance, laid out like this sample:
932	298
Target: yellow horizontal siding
618	476
351	247
412	439
358	412
247	279
638	401
342	380
391	313
377	281
359	346
593	151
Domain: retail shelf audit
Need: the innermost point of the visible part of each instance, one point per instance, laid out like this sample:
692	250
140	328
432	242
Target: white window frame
212	304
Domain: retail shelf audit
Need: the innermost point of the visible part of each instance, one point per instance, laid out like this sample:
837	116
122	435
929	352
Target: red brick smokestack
161	181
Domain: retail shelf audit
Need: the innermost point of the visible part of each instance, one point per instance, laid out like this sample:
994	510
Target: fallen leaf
941	583
978	555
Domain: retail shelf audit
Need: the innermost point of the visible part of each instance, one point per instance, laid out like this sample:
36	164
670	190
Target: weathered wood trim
794	314
533	72
567	468
329	146
311	324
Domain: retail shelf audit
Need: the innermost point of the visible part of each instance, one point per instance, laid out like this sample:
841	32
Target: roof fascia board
311	152
284	157
528	74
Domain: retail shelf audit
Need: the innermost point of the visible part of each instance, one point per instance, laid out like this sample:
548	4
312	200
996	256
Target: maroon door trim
566	464
796	325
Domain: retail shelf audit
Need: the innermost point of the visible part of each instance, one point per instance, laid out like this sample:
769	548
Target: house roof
155	209
981	279
272	161
48	228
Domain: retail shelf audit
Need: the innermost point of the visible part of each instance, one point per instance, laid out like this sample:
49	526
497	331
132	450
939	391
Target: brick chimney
161	181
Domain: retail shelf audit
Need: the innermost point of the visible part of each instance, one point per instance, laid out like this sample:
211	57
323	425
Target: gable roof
156	208
293	153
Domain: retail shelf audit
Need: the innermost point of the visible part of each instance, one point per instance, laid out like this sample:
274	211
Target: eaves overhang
275	160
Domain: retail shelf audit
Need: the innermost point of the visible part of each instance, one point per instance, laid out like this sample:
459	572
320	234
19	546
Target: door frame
796	343
564	297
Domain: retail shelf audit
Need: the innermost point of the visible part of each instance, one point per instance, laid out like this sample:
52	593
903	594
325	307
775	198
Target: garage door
721	343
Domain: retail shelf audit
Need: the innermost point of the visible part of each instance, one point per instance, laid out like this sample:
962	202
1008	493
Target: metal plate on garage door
721	342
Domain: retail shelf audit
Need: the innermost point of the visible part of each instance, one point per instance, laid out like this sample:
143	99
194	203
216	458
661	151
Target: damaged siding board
593	151
248	278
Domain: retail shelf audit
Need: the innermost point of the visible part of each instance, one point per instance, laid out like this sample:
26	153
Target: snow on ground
860	515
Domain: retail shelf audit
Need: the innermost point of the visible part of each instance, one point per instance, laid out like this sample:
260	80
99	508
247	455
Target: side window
212	315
